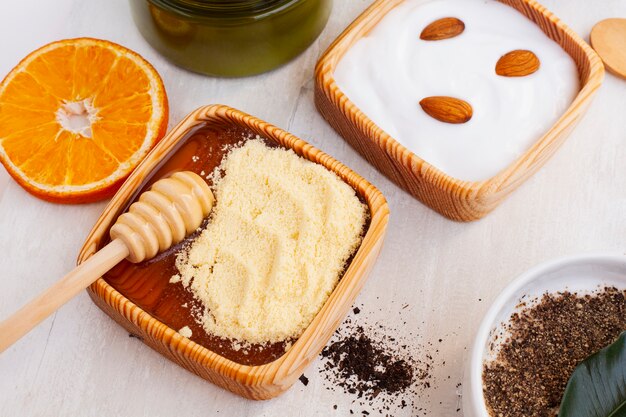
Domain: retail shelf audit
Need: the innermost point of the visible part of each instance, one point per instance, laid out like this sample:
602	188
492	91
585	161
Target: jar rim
224	9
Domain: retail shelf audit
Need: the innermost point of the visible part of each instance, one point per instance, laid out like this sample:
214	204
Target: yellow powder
186	332
275	246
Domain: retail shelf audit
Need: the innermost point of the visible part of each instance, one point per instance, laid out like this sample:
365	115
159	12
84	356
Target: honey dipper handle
33	313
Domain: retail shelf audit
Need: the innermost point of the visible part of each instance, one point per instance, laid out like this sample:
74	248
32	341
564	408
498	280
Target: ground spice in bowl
537	350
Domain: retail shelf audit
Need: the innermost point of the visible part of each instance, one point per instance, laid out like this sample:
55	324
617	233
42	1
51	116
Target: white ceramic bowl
573	273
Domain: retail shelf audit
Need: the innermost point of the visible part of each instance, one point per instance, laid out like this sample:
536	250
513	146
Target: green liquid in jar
231	38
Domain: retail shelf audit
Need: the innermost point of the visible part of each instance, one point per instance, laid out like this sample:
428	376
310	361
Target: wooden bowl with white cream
458	102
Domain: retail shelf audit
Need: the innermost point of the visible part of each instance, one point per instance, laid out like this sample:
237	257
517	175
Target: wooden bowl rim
272	371
327	63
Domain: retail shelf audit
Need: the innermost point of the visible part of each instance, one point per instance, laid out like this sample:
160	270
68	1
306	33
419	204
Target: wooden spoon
608	38
172	208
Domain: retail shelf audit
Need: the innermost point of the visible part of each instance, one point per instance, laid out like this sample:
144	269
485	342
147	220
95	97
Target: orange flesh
74	111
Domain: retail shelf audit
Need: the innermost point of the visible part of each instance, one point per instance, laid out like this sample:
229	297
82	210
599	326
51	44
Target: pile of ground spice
383	371
374	370
544	342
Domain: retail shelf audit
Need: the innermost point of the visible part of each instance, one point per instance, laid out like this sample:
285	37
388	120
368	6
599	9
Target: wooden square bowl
453	198
143	302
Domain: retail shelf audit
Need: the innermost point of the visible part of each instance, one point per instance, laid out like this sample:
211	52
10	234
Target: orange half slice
77	116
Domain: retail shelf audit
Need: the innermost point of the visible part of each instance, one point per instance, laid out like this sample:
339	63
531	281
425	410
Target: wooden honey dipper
171	209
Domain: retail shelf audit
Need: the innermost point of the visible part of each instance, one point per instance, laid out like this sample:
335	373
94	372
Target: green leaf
597	388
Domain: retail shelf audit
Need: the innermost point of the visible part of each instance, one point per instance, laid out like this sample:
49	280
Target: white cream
388	72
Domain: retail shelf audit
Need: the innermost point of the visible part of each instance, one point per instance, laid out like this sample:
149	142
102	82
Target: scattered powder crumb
195	158
304	380
215	175
175	278
186	332
226	146
202	173
274	247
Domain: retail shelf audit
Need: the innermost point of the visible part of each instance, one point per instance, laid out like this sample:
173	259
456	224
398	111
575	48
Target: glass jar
230	38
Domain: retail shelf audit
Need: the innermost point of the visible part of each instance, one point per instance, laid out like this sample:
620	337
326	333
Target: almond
447	109
517	63
447	27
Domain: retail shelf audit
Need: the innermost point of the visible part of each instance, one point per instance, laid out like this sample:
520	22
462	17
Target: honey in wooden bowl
142	299
150	285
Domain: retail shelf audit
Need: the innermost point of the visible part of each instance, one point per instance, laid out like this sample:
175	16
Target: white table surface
79	362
